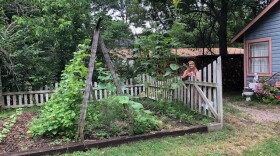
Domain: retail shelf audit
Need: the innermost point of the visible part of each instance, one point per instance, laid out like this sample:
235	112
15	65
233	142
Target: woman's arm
185	74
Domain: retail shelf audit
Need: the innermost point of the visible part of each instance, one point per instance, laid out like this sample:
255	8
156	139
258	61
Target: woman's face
191	65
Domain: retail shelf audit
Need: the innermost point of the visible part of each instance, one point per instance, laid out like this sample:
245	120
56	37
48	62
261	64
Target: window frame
248	65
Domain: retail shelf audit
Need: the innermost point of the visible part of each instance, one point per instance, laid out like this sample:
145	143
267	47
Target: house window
259	57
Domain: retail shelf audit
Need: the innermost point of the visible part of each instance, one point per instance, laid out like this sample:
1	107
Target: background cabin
261	40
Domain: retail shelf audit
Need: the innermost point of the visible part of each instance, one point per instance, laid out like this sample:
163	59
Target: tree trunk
223	27
1	95
88	82
110	65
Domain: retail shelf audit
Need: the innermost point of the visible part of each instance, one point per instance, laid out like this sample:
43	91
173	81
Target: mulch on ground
18	139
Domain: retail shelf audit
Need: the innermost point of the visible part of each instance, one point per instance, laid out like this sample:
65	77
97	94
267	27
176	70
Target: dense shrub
266	93
109	117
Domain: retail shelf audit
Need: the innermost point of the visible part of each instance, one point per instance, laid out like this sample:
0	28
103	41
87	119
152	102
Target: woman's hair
191	61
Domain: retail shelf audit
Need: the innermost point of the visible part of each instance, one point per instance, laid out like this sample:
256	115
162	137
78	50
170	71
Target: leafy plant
144	122
41	38
56	142
266	93
176	110
9	124
59	115
24	148
109	117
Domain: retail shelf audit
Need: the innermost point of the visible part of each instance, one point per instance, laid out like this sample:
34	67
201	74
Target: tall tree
41	36
207	19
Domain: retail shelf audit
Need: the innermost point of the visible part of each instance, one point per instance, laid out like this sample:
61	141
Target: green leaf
174	85
146	84
148	112
168	72
174	66
123	99
135	105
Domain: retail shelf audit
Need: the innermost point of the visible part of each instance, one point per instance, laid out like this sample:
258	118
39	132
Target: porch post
1	95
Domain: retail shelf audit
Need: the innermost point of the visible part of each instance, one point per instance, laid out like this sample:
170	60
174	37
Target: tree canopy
38	37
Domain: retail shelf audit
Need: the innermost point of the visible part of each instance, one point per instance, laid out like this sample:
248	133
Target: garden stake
88	81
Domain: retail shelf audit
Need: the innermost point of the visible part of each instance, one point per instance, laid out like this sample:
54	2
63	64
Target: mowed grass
240	136
270	147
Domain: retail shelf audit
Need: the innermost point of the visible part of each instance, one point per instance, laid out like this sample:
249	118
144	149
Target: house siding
267	27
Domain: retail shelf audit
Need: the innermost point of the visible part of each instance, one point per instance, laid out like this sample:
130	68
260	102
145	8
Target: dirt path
266	116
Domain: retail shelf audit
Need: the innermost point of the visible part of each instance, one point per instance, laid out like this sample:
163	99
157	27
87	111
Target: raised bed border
87	145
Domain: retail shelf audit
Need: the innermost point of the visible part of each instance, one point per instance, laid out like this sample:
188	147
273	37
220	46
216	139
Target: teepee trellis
97	38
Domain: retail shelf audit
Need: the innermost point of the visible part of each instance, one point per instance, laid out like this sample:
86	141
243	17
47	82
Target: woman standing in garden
192	71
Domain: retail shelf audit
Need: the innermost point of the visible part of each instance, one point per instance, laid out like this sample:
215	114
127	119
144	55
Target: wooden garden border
107	142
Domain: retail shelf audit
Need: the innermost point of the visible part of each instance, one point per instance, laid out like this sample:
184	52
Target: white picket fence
203	96
28	98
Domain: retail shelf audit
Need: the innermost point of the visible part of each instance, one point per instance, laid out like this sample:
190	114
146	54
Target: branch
6	56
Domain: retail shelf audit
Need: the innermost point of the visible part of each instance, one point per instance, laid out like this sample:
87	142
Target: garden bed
19	142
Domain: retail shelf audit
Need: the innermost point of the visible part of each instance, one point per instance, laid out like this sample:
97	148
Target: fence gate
205	95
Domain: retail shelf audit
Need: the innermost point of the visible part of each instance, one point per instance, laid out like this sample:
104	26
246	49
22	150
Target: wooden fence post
219	90
1	95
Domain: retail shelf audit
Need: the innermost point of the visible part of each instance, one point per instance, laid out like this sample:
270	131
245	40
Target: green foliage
144	122
153	56
104	115
266	93
179	33
5	113
109	117
105	80
117	34
59	115
9	124
41	38
175	110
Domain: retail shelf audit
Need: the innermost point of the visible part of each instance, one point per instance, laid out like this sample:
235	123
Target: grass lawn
240	136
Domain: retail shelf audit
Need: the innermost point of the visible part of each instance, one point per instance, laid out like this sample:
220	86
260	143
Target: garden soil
19	140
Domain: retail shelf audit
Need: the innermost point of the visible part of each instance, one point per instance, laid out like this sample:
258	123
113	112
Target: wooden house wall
268	27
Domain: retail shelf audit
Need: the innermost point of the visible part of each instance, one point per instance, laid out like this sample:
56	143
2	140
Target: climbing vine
59	115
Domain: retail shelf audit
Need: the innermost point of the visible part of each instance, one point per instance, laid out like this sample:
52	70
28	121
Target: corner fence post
219	90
